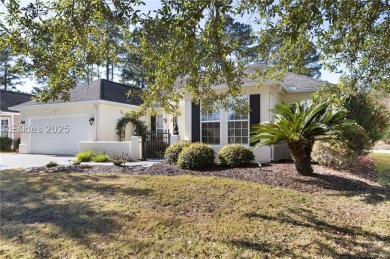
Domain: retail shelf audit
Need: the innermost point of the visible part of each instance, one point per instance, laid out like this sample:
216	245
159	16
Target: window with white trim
211	127
5	127
159	124
238	126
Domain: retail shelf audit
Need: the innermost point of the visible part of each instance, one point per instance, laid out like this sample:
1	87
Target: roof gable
292	82
9	99
98	90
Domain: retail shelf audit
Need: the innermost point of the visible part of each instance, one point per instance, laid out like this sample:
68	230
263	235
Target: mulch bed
362	178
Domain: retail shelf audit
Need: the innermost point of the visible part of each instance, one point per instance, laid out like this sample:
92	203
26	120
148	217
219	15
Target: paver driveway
10	160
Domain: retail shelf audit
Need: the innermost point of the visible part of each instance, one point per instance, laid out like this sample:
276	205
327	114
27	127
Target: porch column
136	149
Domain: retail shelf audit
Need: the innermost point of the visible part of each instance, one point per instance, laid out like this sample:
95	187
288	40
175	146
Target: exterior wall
107	118
46	111
269	96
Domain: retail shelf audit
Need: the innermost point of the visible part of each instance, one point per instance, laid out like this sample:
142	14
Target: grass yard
382	165
69	215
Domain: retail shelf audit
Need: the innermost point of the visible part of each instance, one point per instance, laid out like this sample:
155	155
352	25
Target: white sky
28	83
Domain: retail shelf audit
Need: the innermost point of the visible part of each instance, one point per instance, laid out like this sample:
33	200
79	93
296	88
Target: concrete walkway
14	160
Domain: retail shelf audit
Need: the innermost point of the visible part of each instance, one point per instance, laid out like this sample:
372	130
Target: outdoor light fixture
22	122
91	120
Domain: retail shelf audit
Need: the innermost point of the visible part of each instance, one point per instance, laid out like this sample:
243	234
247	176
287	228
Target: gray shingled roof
98	90
9	99
292	82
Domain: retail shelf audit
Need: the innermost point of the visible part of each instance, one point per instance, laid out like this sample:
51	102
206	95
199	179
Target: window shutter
254	114
195	128
152	123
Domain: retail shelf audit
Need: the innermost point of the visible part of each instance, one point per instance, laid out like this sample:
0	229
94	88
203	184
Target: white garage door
58	135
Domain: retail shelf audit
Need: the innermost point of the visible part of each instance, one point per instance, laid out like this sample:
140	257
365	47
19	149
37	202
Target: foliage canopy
183	44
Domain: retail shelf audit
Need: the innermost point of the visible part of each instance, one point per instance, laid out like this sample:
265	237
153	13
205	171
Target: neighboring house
106	102
10	119
90	114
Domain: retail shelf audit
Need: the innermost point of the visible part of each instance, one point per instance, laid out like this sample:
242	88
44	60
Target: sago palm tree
300	127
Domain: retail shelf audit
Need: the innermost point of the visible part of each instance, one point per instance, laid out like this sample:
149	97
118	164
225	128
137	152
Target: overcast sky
28	83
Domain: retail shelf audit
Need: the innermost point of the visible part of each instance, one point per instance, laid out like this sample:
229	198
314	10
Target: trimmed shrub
196	156
173	151
5	143
342	153
86	156
235	155
335	154
101	158
51	164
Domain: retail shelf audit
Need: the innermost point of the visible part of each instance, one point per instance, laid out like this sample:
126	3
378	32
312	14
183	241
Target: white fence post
135	147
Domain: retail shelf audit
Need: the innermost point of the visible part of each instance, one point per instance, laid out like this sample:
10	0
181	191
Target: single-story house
10	119
93	110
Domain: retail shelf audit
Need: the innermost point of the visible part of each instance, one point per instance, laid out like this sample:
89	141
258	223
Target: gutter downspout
96	120
281	85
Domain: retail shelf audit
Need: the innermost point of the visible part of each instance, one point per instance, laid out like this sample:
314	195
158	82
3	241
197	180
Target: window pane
238	132
210	132
159	122
211	116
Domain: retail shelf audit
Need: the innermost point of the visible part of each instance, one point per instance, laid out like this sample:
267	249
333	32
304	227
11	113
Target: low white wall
108	147
281	152
262	154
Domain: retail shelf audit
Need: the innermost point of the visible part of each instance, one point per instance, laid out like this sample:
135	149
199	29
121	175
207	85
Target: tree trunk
301	154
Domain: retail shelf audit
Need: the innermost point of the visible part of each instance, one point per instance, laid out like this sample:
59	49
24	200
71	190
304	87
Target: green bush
335	154
358	141
51	164
101	158
370	114
235	155
342	153
5	143
173	151
196	156
86	156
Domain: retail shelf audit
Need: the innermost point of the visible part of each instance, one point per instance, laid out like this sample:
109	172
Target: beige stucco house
94	109
91	114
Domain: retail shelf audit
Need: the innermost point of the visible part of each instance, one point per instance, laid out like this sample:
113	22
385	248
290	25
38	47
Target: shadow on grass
275	250
343	236
64	201
349	187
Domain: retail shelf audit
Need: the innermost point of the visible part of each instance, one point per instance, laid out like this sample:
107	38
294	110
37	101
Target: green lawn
382	165
64	215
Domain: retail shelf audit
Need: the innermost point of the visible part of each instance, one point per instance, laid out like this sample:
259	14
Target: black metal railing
154	145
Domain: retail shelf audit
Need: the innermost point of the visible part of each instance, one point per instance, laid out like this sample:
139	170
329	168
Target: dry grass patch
117	215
